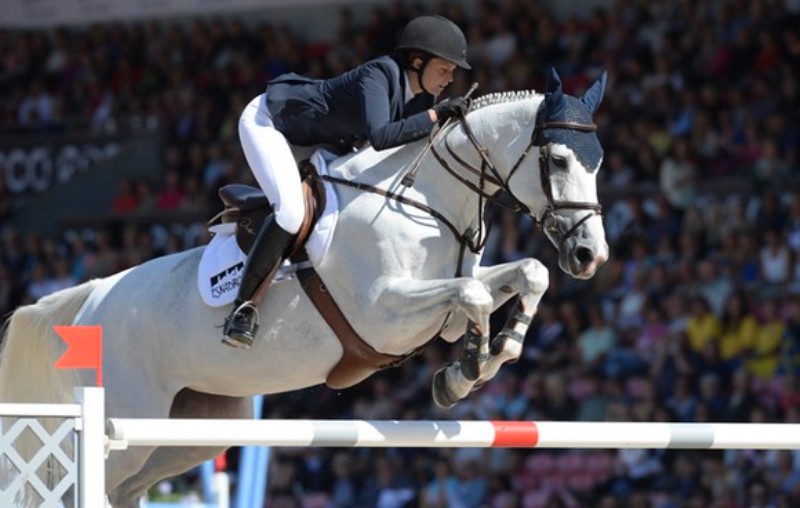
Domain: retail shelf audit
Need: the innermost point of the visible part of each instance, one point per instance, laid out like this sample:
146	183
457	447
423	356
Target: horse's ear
554	96
554	86
594	95
554	83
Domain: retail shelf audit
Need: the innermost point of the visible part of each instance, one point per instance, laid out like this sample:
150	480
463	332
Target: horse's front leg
528	278
481	359
416	309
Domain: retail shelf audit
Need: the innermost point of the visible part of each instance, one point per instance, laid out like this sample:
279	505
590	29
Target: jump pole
123	433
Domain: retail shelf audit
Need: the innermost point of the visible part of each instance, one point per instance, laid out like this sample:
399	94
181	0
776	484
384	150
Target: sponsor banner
46	13
35	166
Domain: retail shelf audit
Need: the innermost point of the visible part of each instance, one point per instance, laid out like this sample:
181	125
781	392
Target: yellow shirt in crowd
701	330
766	354
738	338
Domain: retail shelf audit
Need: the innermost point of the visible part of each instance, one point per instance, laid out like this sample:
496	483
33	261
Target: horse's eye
560	162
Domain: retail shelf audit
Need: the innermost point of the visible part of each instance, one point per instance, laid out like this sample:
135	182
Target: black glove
448	108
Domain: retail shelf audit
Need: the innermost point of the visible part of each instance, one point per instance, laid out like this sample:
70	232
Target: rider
388	102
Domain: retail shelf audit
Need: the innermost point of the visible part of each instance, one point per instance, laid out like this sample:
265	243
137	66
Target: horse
403	266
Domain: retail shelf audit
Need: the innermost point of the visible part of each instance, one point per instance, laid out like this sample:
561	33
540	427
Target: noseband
488	173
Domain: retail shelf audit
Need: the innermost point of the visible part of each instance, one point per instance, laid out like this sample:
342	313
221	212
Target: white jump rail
123	433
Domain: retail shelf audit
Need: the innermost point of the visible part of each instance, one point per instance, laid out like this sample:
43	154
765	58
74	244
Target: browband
583	127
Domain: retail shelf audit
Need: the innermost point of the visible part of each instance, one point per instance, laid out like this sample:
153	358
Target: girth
359	360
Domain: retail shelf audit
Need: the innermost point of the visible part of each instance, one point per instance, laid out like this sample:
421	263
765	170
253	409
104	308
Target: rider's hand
449	108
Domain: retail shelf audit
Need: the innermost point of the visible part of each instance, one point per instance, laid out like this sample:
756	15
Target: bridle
553	205
488	173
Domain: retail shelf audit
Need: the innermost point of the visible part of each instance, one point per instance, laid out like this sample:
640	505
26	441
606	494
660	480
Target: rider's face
437	75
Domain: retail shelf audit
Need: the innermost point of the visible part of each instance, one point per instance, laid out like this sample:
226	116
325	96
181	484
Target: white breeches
272	163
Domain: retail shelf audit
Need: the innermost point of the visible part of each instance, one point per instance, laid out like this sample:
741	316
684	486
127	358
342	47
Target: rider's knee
290	216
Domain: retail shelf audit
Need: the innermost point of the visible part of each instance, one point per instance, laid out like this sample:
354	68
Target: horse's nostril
584	255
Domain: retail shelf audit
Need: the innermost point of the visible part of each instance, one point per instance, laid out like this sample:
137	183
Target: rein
465	238
487	173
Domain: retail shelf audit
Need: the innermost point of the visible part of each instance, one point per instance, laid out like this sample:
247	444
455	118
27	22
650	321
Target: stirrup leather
241	337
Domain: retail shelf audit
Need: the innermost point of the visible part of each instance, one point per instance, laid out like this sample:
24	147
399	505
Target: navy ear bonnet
559	107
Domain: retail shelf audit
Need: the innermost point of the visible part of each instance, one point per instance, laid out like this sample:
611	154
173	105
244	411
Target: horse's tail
29	349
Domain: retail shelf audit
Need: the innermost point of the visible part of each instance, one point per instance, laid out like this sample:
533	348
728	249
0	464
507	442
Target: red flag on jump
84	349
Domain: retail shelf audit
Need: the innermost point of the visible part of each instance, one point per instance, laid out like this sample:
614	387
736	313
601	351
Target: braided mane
491	99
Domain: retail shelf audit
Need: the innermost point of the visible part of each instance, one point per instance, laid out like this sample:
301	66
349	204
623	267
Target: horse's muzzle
581	259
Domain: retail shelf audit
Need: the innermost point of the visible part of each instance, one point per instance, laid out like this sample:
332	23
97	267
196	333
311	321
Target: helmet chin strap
419	72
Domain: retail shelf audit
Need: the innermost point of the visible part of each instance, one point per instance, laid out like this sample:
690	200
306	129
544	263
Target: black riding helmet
437	36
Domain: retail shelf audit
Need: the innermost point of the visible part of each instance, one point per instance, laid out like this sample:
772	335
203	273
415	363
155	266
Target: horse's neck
503	130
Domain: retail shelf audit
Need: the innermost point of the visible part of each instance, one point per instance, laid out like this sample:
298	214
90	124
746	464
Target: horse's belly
294	349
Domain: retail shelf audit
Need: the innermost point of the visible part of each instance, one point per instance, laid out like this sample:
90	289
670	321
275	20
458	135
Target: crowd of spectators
696	317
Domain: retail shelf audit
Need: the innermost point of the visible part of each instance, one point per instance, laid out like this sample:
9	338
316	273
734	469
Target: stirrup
236	337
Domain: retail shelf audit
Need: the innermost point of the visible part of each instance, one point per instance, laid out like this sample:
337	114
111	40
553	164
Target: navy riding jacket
366	103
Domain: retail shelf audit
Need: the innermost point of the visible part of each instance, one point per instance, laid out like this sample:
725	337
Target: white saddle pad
220	270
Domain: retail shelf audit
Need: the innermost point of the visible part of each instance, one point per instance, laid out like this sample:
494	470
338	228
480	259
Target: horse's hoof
442	396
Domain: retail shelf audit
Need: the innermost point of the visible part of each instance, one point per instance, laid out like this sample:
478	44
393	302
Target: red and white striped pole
450	434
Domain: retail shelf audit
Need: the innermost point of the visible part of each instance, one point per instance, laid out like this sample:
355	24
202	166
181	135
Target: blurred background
118	125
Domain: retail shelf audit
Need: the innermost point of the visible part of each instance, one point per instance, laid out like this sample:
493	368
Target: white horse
390	268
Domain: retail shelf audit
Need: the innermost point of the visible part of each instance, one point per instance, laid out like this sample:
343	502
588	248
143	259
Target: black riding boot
265	257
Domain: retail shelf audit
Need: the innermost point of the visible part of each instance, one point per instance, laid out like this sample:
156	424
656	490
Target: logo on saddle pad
226	280
221	266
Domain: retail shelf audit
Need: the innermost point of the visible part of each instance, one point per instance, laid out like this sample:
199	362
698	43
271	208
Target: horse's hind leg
168	461
164	462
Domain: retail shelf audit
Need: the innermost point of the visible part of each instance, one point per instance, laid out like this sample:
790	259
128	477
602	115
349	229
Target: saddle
248	207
